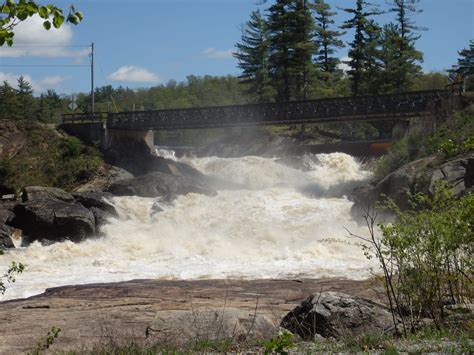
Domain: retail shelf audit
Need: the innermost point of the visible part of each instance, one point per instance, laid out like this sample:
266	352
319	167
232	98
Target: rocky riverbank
151	311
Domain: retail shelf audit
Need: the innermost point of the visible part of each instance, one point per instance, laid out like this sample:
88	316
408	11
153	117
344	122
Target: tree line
291	52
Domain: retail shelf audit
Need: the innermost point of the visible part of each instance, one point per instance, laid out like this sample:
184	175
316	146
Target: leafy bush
426	256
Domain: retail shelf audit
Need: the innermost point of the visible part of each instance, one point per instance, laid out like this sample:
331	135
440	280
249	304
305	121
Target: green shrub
426	256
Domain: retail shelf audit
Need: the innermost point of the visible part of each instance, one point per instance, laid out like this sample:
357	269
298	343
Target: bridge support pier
124	140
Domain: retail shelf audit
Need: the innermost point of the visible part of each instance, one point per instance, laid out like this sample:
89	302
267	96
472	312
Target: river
283	223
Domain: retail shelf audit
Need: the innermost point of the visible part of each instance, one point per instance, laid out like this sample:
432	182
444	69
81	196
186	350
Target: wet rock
5	237
336	315
184	326
36	193
95	199
53	220
158	184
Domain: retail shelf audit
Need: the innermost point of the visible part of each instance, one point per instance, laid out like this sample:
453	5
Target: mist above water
283	222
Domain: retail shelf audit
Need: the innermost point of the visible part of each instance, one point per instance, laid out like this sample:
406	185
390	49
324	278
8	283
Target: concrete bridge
114	128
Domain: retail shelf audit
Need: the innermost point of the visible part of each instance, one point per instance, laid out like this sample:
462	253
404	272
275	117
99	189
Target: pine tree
291	48
25	98
8	102
49	104
327	40
408	57
252	54
358	47
464	69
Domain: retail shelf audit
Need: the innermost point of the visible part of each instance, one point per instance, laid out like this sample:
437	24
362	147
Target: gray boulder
50	220
158	184
36	193
183	326
5	237
336	315
418	176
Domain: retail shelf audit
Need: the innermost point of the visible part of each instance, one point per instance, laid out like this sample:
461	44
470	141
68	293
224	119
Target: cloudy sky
141	43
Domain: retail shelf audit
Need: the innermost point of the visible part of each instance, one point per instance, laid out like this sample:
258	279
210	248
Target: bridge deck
344	109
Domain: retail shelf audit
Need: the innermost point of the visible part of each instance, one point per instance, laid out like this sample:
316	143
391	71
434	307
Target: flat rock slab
120	313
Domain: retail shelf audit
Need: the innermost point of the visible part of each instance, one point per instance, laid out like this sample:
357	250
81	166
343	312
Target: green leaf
58	21
43	12
47	25
73	19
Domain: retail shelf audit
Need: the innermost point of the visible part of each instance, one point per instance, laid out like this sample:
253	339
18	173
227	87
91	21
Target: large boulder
422	175
185	326
158	184
5	237
51	220
96	202
337	315
37	193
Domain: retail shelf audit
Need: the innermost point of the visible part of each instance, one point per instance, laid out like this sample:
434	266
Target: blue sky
142	43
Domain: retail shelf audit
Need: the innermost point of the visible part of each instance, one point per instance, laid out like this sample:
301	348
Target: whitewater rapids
282	223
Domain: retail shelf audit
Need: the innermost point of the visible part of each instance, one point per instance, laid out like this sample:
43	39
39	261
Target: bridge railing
84	117
323	110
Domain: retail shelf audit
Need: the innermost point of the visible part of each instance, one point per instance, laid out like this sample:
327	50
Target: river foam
282	223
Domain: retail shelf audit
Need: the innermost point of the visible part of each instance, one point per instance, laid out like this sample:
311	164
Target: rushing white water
284	222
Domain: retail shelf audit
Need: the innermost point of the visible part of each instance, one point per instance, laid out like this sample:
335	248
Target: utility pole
92	78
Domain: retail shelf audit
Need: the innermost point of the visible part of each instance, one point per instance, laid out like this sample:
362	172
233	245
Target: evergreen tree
387	60
8	102
464	69
49	104
252	54
327	40
25	98
408	57
358	47
291	48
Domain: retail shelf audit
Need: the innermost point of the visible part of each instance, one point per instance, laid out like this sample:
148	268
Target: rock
35	193
53	220
6	216
95	199
418	176
5	237
105	176
158	184
334	314
96	203
184	326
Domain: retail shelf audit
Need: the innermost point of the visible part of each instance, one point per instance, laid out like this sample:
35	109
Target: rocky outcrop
49	215
421	175
50	220
128	312
185	326
5	237
158	184
37	193
337	315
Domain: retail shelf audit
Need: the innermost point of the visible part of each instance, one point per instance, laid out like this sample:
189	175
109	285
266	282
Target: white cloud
31	39
344	66
214	53
39	86
135	74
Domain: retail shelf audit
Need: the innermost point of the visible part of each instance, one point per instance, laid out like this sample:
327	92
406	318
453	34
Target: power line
45	65
48	46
